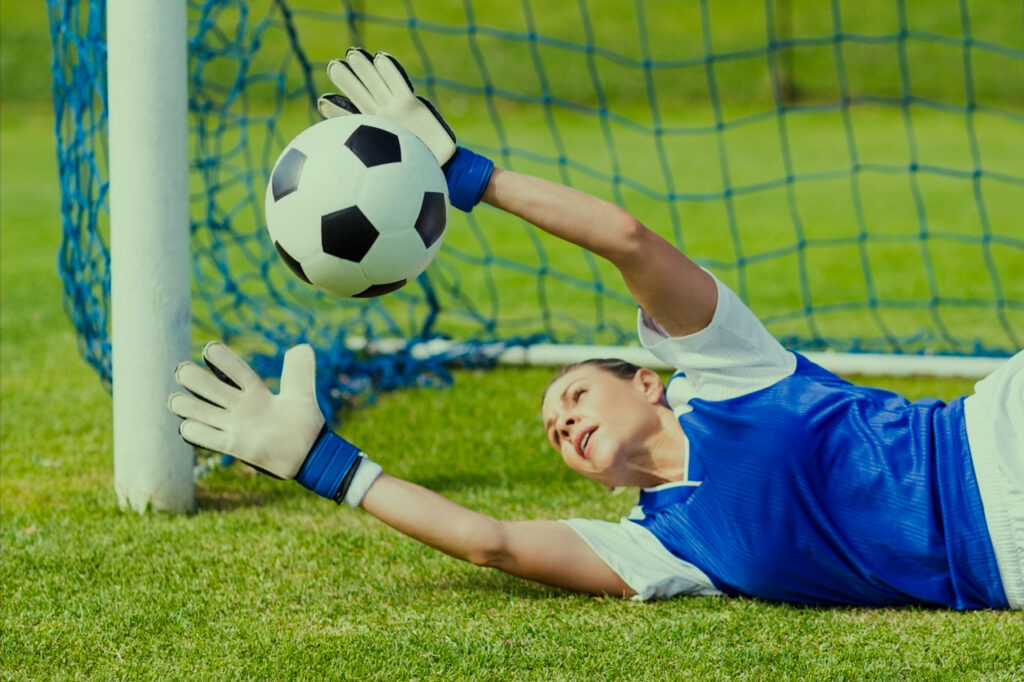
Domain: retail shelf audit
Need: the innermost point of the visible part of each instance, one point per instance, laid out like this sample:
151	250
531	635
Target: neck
665	456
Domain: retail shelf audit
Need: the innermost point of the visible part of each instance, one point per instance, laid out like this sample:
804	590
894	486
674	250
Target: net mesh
853	170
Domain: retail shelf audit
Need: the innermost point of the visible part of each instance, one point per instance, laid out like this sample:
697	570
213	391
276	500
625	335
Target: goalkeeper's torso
815	490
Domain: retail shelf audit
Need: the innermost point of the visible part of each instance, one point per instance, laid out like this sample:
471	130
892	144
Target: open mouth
584	440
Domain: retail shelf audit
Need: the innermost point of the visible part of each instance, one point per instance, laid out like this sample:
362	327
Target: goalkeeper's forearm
543	551
669	286
435	520
595	224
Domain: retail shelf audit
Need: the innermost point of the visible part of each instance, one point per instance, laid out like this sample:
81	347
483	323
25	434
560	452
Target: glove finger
230	368
203	436
393	74
358	50
333	106
203	384
440	119
348	82
196	409
360	63
298	376
265	471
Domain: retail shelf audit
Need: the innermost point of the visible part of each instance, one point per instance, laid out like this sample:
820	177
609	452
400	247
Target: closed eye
572	396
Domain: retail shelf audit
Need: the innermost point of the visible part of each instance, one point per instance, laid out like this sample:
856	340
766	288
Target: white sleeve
641	560
732	356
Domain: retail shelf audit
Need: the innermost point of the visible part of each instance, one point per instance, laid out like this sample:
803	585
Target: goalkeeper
760	473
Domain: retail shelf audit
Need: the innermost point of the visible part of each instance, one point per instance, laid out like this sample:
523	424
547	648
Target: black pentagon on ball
431	220
374	146
287	173
381	289
292	264
347	234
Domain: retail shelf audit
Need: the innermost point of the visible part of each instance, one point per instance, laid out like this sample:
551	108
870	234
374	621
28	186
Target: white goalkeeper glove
378	85
229	409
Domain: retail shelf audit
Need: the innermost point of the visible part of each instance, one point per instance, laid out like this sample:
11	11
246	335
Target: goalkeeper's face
604	426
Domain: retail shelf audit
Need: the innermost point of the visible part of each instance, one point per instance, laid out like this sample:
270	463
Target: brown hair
614	366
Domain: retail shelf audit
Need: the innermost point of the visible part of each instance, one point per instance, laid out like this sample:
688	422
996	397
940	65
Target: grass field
267	581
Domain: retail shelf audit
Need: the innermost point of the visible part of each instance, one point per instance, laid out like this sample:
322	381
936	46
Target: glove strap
467	174
329	466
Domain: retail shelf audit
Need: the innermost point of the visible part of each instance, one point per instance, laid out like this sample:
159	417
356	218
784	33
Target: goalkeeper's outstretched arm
229	409
670	287
548	552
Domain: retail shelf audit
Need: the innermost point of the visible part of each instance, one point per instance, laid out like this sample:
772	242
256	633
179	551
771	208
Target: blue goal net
855	171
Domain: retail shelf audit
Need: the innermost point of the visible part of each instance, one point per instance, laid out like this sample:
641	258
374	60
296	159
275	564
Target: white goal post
149	243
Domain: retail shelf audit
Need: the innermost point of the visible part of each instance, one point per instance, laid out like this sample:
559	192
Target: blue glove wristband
467	174
329	466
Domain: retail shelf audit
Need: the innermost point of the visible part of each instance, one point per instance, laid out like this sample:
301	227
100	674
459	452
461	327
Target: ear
649	383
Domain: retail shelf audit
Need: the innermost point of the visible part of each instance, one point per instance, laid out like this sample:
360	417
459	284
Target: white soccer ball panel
394	257
391	195
389	200
428	255
335	276
287	221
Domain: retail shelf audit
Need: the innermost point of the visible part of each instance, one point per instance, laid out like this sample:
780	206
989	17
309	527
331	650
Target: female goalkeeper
761	474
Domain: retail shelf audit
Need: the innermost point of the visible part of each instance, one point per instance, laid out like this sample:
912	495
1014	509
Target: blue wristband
329	466
467	174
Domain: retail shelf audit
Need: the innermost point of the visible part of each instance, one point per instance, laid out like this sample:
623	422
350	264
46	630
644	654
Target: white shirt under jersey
735	355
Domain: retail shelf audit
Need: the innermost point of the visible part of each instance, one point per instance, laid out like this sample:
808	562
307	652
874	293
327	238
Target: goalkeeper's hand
229	409
378	85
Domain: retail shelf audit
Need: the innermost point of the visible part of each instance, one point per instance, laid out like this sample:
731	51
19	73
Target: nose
564	425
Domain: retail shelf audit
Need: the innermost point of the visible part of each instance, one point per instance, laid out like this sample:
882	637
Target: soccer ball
357	206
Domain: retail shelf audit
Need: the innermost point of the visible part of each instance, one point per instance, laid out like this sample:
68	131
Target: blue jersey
803	487
815	490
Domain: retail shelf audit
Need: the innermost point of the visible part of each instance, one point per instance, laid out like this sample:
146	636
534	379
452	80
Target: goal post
150	265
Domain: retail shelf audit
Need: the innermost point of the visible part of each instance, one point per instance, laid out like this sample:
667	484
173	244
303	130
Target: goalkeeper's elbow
627	241
489	549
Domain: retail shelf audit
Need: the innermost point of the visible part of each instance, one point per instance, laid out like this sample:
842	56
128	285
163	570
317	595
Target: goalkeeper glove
378	85
230	410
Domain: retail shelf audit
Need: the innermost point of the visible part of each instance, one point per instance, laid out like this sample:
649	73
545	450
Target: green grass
266	581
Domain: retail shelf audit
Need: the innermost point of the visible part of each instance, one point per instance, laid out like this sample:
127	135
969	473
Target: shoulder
734	355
